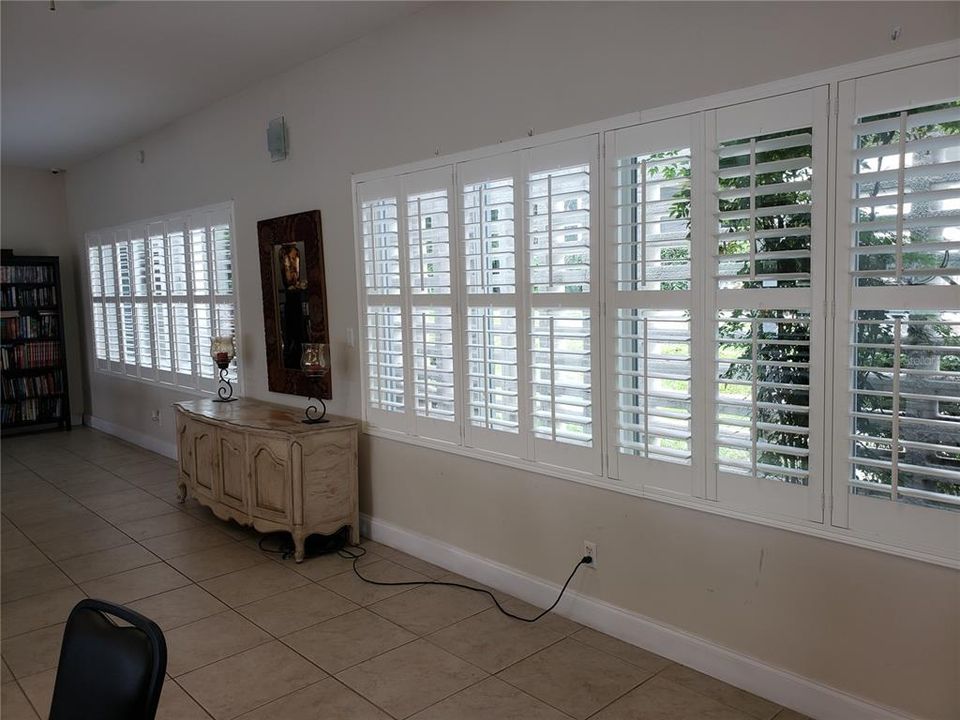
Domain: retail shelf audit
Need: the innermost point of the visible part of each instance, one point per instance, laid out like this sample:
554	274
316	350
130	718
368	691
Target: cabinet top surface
260	415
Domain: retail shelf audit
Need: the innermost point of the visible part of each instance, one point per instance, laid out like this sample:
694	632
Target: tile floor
252	636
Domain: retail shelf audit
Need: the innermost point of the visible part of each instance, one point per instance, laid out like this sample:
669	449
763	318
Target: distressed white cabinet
258	464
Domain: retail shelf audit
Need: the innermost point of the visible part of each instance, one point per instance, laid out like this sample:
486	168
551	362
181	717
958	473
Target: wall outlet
156	417
590	550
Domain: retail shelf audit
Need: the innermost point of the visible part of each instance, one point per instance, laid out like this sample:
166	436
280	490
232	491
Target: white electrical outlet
156	417
590	550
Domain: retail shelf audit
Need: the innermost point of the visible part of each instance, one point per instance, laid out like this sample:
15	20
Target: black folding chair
109	671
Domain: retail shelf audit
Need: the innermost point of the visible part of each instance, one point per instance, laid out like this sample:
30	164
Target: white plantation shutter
561	238
408	260
492	297
768	178
651	177
897	395
163	288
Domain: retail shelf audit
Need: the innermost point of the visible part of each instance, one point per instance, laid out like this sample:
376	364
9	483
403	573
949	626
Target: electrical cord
347	552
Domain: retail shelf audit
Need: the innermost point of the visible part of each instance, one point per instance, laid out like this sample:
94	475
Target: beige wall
458	76
33	221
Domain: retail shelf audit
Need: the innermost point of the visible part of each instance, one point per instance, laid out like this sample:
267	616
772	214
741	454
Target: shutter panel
769	179
140	271
112	321
562	303
385	367
490	247
898	314
651	180
96	293
433	366
128	330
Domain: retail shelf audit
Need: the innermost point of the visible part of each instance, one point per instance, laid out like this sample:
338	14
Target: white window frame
203	219
813	513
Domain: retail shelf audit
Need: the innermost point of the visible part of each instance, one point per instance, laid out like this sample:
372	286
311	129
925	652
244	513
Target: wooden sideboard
258	464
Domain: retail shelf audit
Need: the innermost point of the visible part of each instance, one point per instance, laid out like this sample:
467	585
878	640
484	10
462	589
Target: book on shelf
13	297
26	274
32	410
20	388
32	355
29	327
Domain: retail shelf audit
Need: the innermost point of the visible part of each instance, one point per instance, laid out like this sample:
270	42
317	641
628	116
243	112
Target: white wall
34	222
458	76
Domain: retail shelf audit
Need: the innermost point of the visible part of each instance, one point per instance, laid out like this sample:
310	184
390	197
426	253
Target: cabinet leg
298	550
181	493
355	532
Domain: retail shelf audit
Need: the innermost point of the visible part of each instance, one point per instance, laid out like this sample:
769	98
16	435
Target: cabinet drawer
271	482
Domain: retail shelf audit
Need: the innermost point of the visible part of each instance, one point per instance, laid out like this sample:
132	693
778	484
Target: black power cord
348	553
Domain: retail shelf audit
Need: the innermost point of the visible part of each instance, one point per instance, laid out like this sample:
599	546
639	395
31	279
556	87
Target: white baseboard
148	442
780	686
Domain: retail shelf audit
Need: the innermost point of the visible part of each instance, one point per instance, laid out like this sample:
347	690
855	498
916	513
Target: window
160	291
650	302
658	317
897	459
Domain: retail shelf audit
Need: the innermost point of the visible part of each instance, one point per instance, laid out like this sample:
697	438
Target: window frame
204	219
822	305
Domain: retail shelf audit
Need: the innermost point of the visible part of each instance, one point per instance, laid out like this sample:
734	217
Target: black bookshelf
35	392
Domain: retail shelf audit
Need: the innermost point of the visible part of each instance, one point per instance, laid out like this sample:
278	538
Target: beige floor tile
213	638
39	611
186	542
411	678
12	538
787	714
556	676
250	679
178	607
325	566
493	641
130	585
137	511
434	572
110	500
625	651
67	528
431	607
216	561
752	705
62	548
353	588
35	651
6	674
348	640
39	691
21	558
19	584
175	704
296	609
107	562
490	699
160	525
88	486
326	699
660	699
253	583
14	704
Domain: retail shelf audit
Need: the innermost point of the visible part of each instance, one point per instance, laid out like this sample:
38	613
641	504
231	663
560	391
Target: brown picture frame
303	230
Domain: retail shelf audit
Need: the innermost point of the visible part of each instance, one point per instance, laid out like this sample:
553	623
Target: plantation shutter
560	243
496	419
767	214
159	291
897	462
651	177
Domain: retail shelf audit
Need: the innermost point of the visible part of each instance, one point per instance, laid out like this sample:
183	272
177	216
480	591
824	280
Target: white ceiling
94	75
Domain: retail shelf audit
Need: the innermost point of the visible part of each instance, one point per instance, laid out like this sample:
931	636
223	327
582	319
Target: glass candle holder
315	359
222	351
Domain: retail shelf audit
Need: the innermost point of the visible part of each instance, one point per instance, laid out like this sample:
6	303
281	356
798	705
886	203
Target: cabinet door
205	456
271	482
329	479
233	469
185	448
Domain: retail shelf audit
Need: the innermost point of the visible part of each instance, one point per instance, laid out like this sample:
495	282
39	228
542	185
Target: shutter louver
558	230
489	244
385	368
428	242
906	198
433	376
653	375
906	396
381	246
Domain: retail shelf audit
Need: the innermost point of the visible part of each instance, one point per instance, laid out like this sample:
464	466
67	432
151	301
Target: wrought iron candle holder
315	363
222	351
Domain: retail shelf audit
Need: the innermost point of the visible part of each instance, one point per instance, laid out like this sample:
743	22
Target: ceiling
93	75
